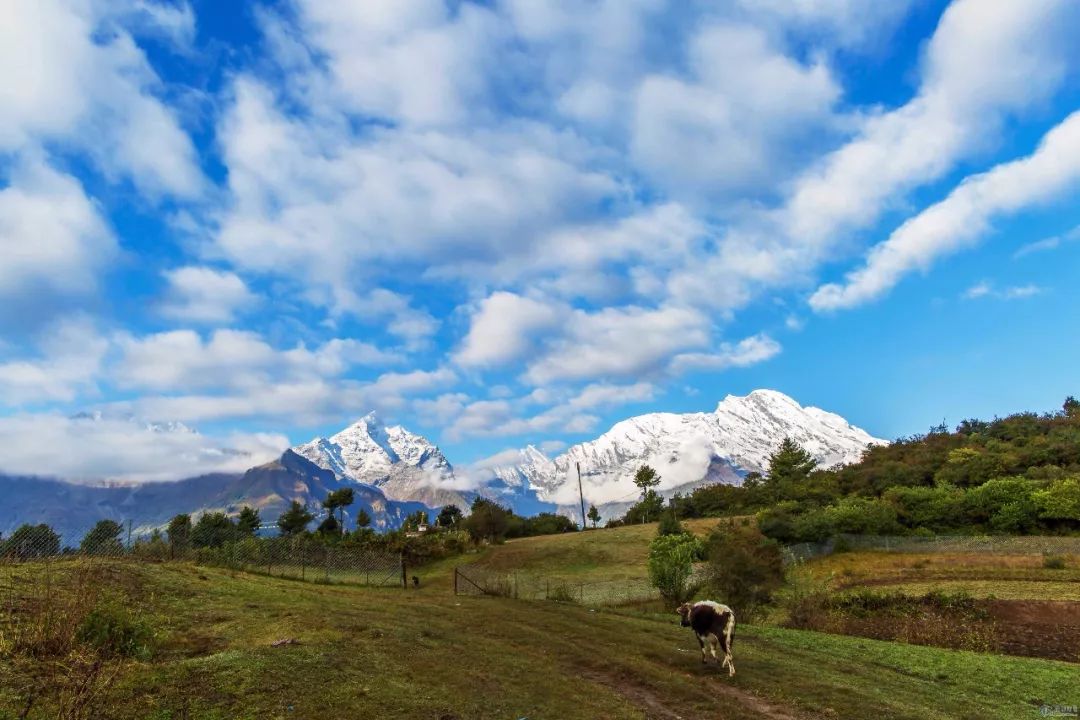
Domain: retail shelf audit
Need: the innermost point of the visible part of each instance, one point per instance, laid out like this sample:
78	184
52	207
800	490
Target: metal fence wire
478	580
301	558
937	544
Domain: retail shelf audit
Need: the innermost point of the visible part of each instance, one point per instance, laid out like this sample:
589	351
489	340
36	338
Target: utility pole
581	494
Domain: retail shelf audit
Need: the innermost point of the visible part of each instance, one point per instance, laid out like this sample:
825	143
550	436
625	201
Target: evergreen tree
1071	408
487	520
179	531
103	539
329	526
339	500
362	518
295	520
248	522
449	516
213	530
31	541
593	515
669	524
789	468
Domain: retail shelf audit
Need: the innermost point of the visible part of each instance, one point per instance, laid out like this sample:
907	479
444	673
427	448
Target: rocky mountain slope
403	465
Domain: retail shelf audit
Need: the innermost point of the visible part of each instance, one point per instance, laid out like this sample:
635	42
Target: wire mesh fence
300	557
936	544
478	580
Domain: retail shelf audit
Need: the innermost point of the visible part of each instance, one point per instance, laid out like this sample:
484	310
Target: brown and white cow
713	624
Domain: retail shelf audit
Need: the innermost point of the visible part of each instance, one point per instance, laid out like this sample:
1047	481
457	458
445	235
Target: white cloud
503	328
737	124
73	74
205	295
746	352
1047	244
616	342
71	355
963	217
987	60
978	290
54	241
181	360
109	449
1015	292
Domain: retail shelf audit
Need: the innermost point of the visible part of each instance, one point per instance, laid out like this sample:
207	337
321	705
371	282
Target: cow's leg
729	636
713	642
701	642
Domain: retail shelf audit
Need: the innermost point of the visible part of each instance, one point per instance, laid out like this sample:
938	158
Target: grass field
371	653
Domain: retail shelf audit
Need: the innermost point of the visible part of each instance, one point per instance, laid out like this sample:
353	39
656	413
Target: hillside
439	656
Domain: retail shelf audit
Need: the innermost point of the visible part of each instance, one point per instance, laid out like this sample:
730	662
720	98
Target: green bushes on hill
1018	475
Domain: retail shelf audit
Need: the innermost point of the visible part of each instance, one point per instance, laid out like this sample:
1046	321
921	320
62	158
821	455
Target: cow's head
683	612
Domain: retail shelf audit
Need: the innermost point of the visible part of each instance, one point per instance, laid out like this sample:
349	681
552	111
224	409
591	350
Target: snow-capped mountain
403	465
690	449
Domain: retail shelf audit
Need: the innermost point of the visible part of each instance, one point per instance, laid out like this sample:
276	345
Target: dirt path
657	708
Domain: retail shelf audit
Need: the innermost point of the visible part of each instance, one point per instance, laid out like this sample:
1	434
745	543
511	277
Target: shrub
745	568
669	524
671	560
113	630
1053	562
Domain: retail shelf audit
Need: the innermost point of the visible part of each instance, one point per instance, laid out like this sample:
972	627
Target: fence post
404	579
455	581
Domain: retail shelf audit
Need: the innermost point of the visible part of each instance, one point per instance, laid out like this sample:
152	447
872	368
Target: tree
339	500
745	568
248	522
294	521
31	541
649	506
646	479
103	539
671	559
487	520
329	526
213	530
416	520
593	515
1071	408
362	518
449	516
789	469
179	531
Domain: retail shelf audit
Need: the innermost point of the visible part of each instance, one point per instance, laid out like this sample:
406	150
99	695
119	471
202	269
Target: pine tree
294	521
248	522
594	515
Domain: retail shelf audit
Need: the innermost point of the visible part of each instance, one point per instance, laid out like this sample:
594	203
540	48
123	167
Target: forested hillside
1019	474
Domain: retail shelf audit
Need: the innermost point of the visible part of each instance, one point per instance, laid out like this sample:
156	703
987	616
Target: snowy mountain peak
404	465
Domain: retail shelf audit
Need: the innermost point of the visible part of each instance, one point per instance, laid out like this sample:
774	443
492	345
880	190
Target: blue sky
514	222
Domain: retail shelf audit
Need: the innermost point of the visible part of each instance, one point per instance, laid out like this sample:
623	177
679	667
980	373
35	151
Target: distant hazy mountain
72	509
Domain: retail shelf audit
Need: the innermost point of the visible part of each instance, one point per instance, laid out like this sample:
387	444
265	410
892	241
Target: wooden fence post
404	579
455	581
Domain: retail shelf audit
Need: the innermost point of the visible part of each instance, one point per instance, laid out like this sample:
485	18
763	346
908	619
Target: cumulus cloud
746	352
959	106
205	295
963	217
70	360
89	449
54	241
503	328
73	74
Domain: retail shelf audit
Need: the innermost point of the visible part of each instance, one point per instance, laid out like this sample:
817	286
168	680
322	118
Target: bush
114	631
671	559
745	568
1053	562
669	524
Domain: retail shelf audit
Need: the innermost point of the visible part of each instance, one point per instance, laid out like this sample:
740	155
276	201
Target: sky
520	221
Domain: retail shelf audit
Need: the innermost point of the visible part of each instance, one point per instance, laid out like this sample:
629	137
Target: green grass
593	556
372	653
